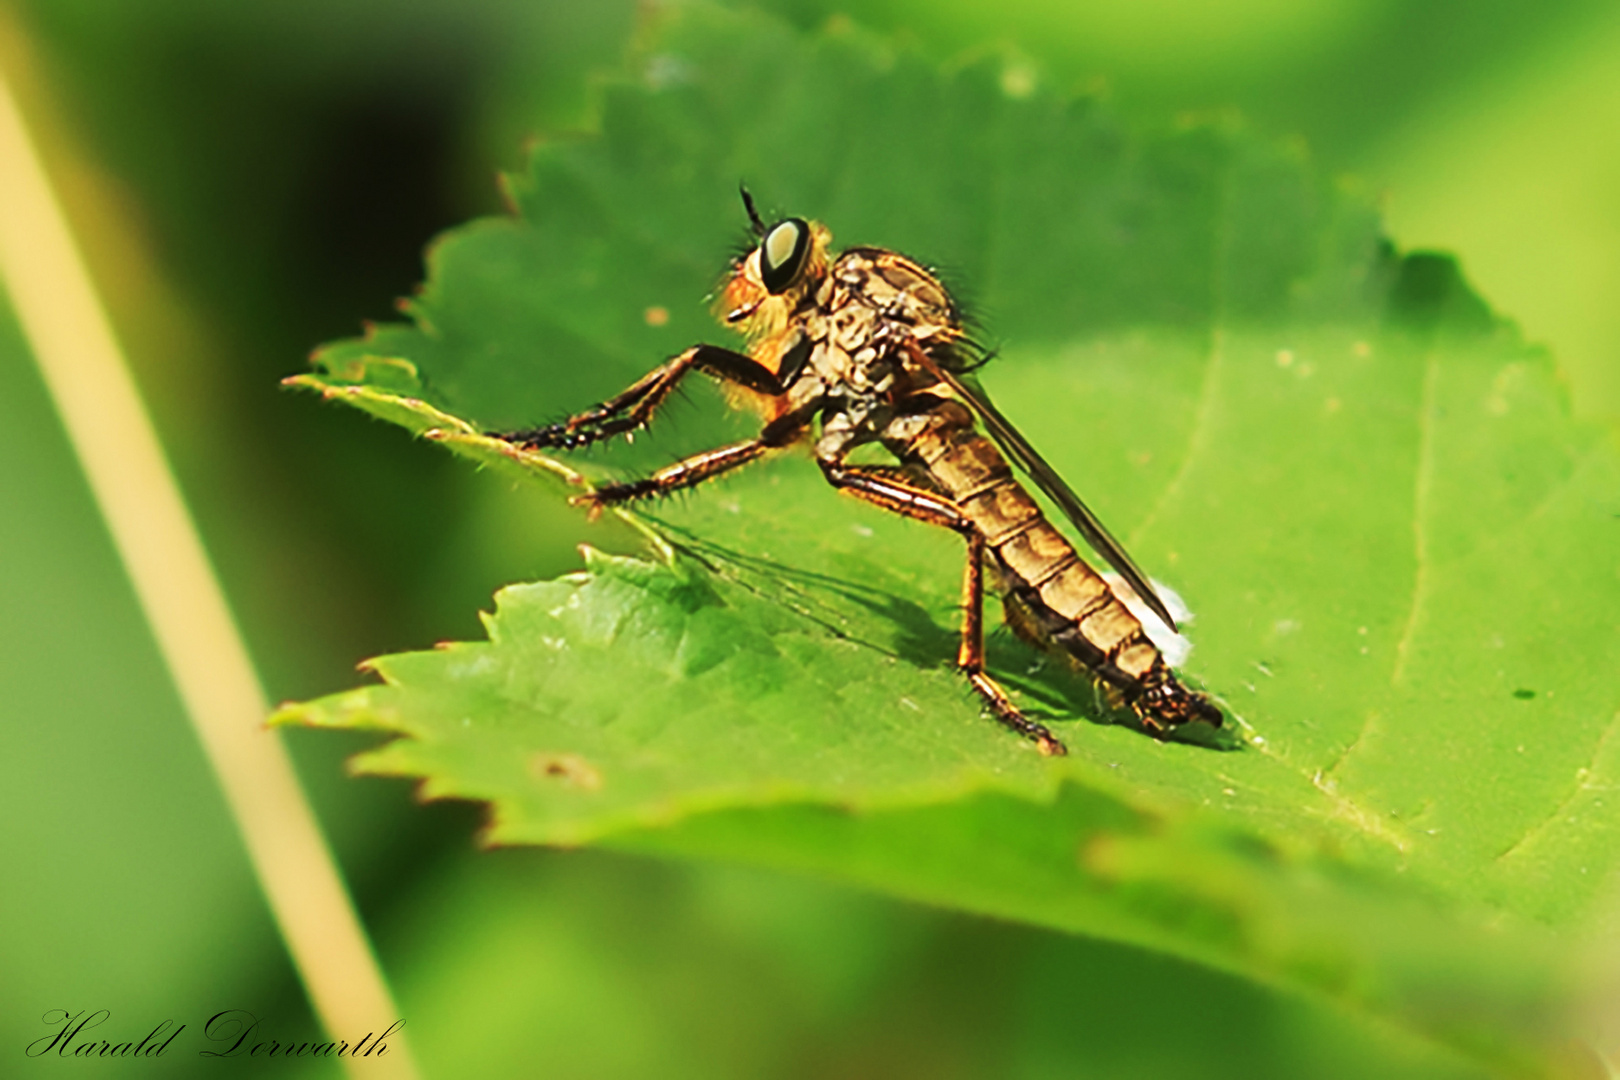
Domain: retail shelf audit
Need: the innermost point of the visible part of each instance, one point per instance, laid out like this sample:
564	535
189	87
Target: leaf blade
1358	477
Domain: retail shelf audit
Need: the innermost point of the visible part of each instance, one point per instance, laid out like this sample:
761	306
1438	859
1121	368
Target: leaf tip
285	714
596	560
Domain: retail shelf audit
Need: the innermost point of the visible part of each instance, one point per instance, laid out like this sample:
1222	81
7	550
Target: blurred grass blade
158	544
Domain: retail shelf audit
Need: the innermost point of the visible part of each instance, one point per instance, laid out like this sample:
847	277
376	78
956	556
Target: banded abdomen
1053	598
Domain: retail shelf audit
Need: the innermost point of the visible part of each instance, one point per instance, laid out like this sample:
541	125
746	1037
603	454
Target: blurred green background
251	179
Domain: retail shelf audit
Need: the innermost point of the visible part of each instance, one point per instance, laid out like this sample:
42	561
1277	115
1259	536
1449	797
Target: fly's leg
684	473
698	468
970	657
634	407
881	488
626	412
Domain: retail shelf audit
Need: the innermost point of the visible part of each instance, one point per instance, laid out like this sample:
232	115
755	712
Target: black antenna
753	215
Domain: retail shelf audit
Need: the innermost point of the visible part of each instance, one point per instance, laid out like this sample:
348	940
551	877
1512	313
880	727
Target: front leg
634	407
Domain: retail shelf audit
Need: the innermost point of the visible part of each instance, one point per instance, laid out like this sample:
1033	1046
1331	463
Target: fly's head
769	284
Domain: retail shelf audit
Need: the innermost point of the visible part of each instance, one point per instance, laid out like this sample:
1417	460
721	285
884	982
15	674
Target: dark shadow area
1062	689
1430	291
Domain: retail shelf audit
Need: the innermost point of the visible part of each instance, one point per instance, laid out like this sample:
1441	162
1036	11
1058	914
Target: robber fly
869	347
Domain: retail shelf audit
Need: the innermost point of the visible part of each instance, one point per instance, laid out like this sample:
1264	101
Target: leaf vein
1343	807
1350	747
1582	785
1202	419
1422	495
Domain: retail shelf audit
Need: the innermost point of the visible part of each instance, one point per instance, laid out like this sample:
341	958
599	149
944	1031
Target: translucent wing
1048	480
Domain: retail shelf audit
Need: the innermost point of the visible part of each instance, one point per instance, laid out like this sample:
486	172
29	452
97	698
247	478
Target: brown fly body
868	347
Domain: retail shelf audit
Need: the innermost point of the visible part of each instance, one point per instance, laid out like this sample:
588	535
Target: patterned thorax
900	291
851	330
857	318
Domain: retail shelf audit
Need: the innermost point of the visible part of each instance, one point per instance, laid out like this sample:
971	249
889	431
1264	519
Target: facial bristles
746	302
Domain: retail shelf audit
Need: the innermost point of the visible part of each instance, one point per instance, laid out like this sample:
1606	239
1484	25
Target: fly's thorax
900	290
861	345
805	391
858	351
855	328
848	321
852	421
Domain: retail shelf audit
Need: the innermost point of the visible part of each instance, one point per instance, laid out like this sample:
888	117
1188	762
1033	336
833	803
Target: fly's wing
1048	480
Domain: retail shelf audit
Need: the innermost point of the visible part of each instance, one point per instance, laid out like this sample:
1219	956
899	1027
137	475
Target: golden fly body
868	346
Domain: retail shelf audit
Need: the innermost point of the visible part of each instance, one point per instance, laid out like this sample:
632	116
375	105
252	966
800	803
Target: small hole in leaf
571	769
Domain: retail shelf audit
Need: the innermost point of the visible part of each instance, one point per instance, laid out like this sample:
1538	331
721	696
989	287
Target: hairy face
768	283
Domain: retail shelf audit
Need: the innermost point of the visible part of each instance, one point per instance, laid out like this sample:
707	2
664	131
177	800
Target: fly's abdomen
1062	602
1052	597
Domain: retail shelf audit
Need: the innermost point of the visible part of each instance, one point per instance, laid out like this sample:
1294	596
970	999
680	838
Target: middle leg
694	470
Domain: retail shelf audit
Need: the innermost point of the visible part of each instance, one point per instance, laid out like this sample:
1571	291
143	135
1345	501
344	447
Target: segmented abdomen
1055	595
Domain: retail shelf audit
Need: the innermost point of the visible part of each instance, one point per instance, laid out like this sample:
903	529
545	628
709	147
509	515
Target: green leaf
1397	544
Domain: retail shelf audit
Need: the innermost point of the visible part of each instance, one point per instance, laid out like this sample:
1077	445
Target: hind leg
881	488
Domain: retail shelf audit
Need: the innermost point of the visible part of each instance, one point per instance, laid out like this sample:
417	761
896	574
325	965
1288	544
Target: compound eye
782	253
